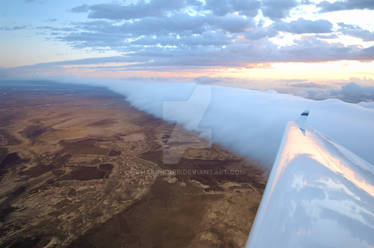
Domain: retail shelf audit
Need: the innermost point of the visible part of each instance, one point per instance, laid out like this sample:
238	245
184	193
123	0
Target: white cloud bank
250	122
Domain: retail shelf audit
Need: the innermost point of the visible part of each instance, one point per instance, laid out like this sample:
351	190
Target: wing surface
318	194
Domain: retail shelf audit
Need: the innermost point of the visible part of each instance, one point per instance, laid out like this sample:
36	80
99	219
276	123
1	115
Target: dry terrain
80	167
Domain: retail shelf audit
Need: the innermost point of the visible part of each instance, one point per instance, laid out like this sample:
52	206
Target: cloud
178	32
140	9
346	5
51	19
157	34
142	54
308	85
223	7
207	38
210	40
211	80
312	49
302	26
12	28
177	24
250	122
258	33
367	104
153	8
356	31
55	29
299	26
351	92
277	9
81	8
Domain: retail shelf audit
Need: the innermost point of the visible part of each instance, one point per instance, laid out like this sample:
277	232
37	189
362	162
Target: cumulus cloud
327	6
160	33
209	40
201	33
205	33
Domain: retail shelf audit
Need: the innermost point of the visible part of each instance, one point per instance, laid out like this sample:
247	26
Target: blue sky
27	32
257	39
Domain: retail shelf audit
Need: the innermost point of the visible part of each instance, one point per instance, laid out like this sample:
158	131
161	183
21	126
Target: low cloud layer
250	122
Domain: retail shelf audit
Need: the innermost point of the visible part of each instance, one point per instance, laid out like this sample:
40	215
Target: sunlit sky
311	40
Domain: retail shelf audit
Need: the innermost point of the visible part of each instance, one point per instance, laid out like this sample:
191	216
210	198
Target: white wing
318	194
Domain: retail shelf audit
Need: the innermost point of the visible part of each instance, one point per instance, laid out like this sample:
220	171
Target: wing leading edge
318	194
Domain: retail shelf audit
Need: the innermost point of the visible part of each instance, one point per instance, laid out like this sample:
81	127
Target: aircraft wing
318	194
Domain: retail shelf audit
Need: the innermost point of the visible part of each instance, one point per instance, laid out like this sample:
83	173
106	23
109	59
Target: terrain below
80	167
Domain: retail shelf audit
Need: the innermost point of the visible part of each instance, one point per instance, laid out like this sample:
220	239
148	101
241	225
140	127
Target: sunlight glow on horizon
320	72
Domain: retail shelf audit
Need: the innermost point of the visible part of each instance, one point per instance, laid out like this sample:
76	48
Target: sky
309	41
